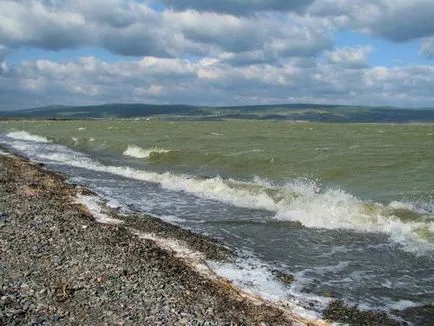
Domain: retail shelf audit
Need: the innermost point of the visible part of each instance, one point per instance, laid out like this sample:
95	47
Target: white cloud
427	48
215	82
31	23
212	52
350	57
132	28
397	20
4	69
238	7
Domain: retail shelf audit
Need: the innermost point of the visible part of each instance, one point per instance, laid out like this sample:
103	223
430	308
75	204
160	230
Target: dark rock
338	311
284	277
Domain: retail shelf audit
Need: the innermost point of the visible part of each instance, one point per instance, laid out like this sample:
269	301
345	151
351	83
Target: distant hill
290	112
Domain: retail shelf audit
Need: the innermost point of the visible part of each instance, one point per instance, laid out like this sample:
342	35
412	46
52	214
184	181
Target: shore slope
59	265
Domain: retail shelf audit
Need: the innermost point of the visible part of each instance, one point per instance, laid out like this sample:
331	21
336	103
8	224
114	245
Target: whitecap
139	152
301	200
403	304
24	135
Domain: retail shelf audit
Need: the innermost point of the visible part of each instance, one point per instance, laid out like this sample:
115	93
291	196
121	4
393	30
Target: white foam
301	280
245	152
256	279
138	152
403	304
113	203
178	247
304	277
336	209
94	206
172	219
301	200
401	205
24	135
252	277
3	153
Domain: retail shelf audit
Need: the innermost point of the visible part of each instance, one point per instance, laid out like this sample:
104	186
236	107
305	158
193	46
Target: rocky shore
61	266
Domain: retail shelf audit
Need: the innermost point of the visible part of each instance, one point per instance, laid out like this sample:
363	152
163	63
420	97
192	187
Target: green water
375	161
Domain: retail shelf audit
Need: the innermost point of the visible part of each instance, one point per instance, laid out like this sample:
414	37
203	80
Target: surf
301	200
139	152
24	135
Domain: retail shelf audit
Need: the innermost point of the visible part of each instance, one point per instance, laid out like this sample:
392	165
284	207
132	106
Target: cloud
280	27
214	82
398	21
31	23
132	28
270	36
3	50
123	27
3	65
427	47
350	57
212	52
238	7
4	69
401	21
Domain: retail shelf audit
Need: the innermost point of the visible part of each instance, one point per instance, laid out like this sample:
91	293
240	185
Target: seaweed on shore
338	311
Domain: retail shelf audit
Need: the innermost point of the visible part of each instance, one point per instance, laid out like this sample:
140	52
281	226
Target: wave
302	200
3	153
138	152
24	135
255	277
245	152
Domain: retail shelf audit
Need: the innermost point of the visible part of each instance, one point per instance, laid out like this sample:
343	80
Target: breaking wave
24	135
303	200
138	152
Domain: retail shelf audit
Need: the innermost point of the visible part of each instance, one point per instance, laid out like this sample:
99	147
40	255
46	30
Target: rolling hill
290	112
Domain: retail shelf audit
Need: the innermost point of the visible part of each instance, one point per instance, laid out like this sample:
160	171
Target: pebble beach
61	266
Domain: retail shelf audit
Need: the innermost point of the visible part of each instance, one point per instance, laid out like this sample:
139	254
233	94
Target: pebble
53	272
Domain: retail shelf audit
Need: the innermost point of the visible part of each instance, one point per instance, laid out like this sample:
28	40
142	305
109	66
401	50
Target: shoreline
167	278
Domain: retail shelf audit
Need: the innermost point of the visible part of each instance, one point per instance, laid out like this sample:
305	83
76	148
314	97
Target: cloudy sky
216	52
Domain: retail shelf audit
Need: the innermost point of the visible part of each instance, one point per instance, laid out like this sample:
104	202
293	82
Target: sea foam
302	200
138	152
24	135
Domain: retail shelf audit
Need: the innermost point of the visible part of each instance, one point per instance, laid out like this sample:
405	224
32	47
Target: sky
216	52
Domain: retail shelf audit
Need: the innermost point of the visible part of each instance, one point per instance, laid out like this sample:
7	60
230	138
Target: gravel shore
60	266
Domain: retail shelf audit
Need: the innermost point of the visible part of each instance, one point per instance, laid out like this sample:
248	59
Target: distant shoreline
161	119
278	112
